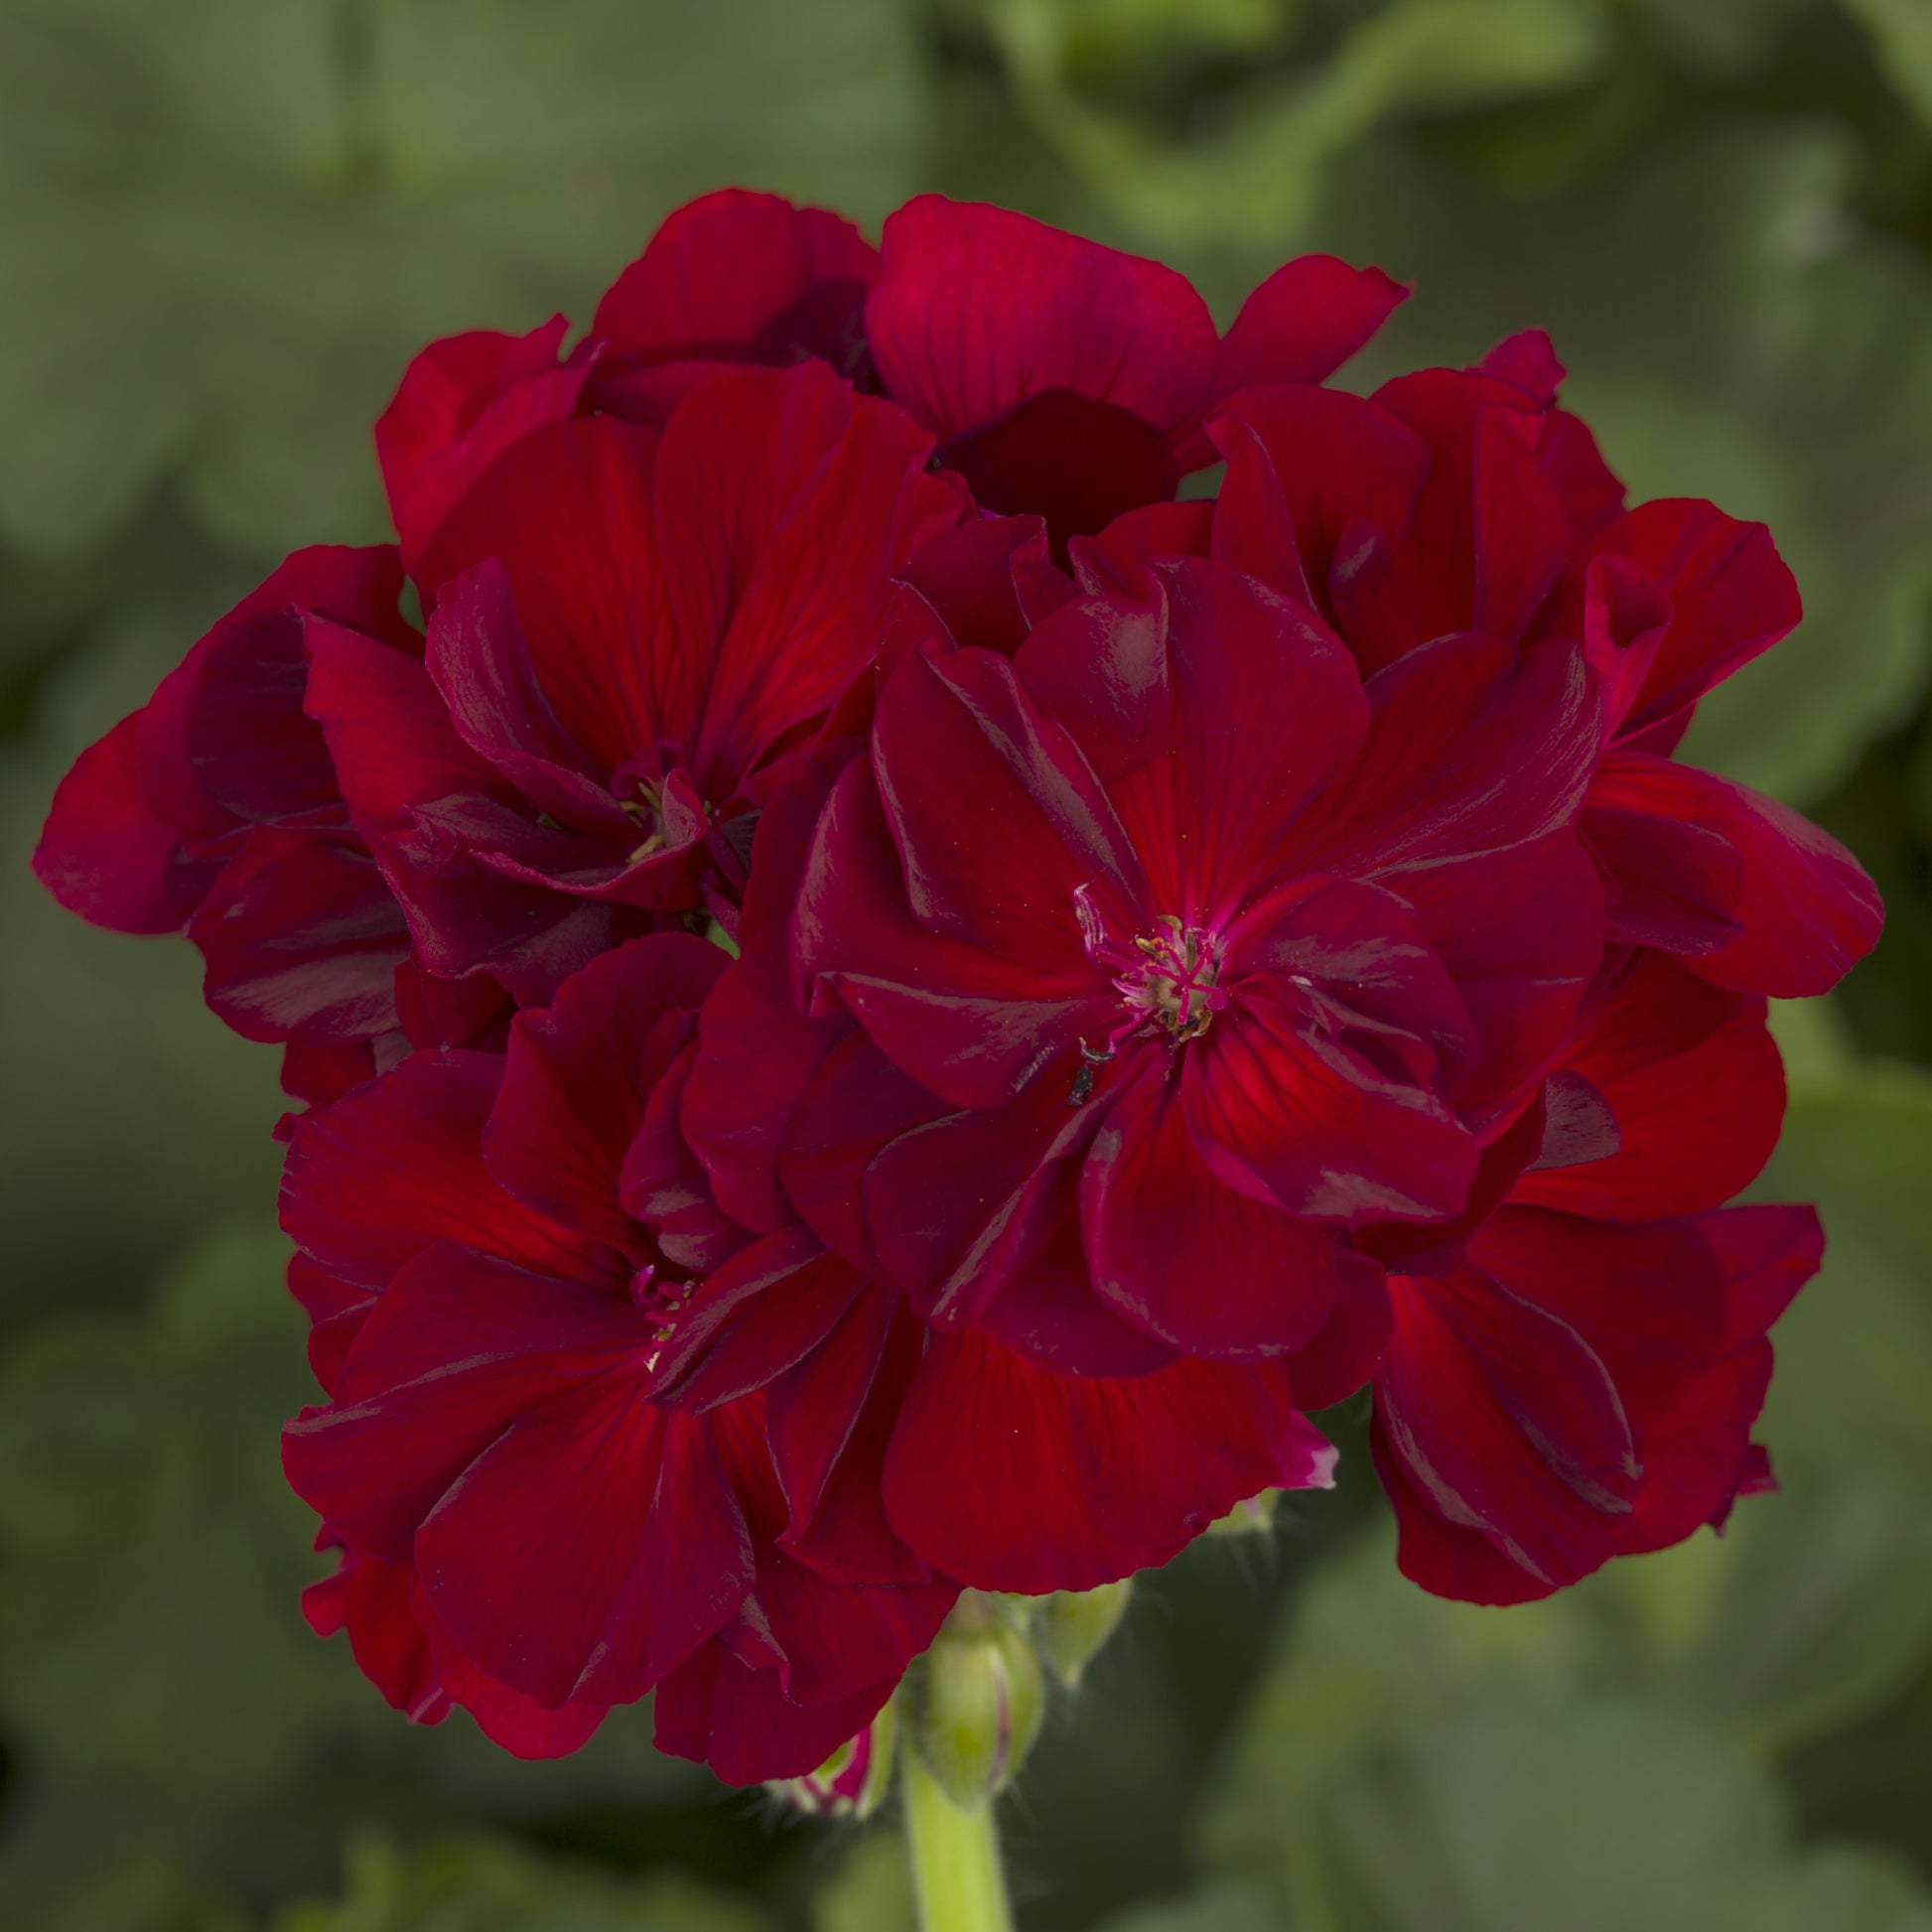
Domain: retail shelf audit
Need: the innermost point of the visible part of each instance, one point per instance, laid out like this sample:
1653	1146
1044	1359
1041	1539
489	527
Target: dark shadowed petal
829	1421
755	1055
1075	461
854	1102
663	1184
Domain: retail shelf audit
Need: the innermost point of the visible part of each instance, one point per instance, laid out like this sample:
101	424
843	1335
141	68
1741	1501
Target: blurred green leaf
145	1895
1901	33
149	1553
1252	165
1231	1907
1801	1619
1595	1819
481	1886
1723	35
229	225
1855	1354
872	1891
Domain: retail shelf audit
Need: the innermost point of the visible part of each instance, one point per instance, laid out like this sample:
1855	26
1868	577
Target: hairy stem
955	1855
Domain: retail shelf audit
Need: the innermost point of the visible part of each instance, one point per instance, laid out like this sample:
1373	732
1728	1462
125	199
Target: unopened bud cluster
972	1705
978	1695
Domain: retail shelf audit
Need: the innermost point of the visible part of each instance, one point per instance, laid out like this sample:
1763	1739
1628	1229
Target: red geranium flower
1207	952
1196	960
629	634
1455	501
1579	1380
997	1469
490	1457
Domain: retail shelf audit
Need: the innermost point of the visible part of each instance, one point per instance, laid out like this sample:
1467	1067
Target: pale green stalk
955	1857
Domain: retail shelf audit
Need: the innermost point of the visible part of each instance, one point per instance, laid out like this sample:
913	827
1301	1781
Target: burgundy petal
108	855
1011	1478
1183	1255
457	1348
739	1720
462	403
740	276
576	1079
396	1167
1730	593
976	309
1807	912
1303	465
1693	1088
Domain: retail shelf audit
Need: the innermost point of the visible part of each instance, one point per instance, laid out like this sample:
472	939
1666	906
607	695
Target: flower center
1166	979
647	808
1172	984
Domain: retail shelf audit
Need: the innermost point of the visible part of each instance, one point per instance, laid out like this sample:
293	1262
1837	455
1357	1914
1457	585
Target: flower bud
853	1782
979	1698
1070	1627
1255	1517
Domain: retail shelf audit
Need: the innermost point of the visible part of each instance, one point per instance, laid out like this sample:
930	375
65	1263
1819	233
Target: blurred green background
224	227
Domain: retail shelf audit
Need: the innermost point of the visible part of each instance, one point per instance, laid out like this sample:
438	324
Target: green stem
955	1859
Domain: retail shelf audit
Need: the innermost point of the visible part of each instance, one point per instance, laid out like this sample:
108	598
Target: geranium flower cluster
886	1005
